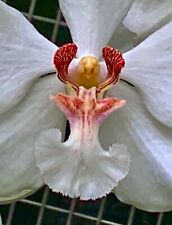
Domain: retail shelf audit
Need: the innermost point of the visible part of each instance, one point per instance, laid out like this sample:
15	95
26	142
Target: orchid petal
93	22
25	56
73	172
148	184
19	128
145	16
148	68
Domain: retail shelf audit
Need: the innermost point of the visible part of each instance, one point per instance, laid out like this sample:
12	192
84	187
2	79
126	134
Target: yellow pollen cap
87	72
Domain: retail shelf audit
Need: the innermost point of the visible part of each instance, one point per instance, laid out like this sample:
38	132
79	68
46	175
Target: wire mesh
45	207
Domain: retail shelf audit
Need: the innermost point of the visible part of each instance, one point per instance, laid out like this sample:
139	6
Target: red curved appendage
114	62
63	58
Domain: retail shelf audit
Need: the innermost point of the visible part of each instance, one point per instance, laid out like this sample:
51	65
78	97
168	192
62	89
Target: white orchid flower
31	151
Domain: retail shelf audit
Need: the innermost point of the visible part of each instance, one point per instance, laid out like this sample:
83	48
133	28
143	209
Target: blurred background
46	207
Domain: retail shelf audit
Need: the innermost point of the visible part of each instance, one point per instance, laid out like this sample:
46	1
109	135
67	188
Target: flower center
87	72
85	105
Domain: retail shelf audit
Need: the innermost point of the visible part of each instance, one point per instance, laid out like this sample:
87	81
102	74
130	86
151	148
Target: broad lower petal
87	173
148	68
19	128
25	56
148	184
147	16
93	22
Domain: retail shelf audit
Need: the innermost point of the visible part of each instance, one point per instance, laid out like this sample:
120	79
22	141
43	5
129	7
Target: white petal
19	128
85	173
148	67
148	184
25	56
122	39
0	220
93	22
146	16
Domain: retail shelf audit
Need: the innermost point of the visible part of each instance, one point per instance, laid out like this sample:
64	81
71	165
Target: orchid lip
80	167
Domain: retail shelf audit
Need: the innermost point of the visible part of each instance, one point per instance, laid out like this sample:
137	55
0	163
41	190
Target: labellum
80	167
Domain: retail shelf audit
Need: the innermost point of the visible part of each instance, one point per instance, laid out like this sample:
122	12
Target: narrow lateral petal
148	184
93	22
145	16
19	128
148	68
25	56
87	173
